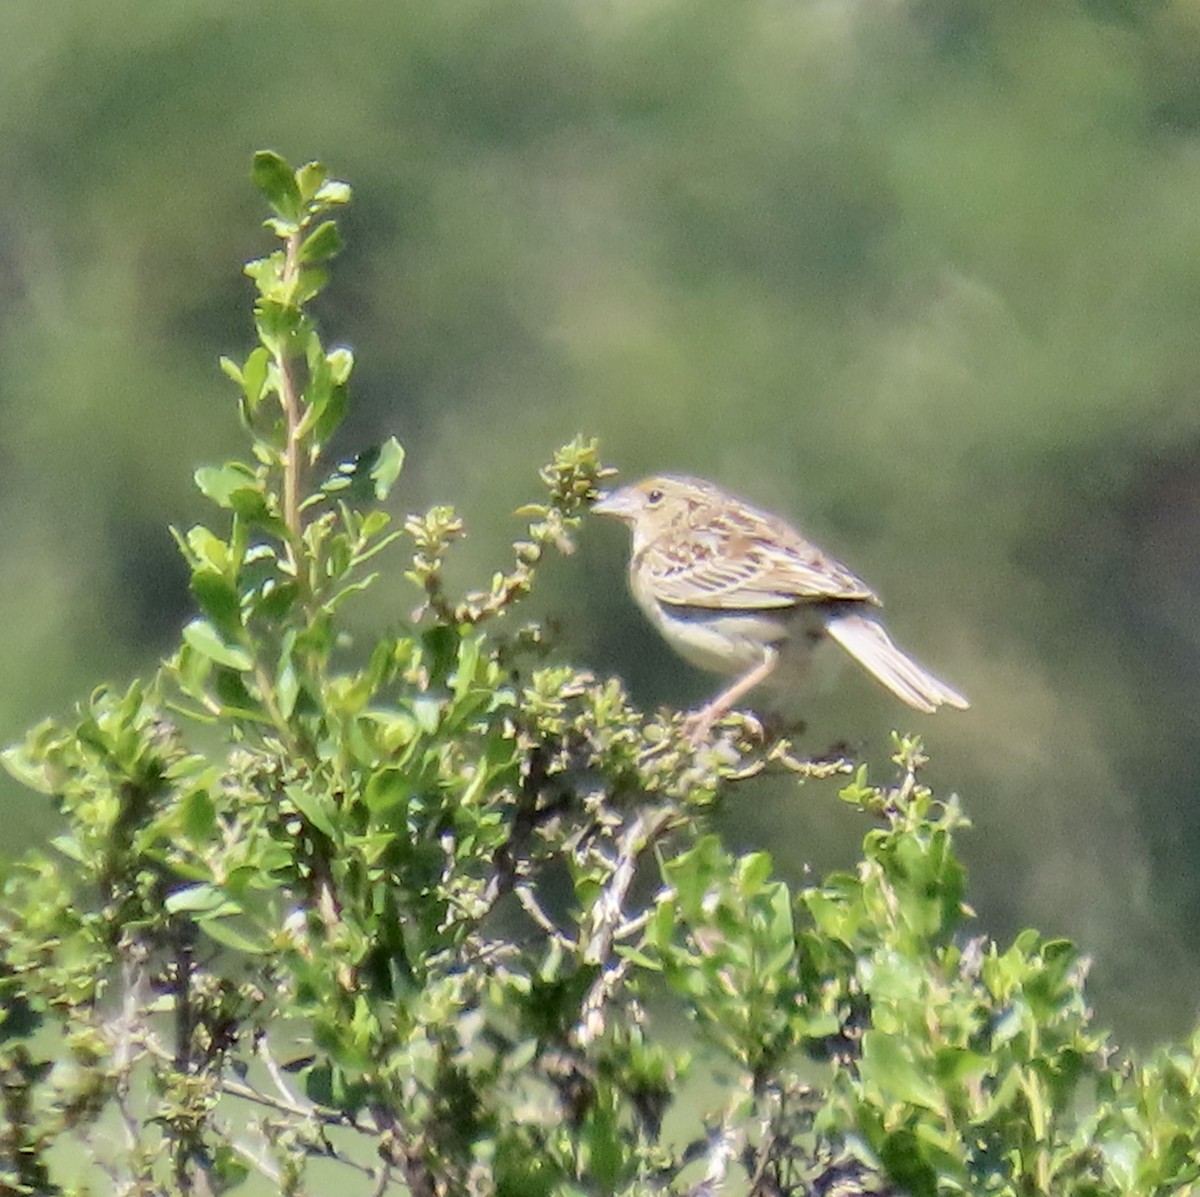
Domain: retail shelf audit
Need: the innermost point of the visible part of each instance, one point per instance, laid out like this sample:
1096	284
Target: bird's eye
654	497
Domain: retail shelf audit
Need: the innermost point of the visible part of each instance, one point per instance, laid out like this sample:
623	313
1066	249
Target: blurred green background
922	275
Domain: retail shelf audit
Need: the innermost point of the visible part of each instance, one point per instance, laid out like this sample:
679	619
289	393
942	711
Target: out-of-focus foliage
419	915
920	274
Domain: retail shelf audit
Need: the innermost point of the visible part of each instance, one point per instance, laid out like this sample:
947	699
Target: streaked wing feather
746	563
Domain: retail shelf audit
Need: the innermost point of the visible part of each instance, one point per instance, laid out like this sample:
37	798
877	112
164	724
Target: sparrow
737	591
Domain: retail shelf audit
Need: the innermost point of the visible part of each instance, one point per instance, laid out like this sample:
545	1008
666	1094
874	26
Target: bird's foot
697	727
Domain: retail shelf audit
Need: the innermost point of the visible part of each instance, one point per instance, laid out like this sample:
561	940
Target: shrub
448	917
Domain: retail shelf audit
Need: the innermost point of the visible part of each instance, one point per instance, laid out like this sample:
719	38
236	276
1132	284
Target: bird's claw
698	725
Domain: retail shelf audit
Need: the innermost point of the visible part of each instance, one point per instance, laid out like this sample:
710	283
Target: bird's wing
743	560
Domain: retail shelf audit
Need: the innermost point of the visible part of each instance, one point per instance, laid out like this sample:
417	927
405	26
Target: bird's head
655	505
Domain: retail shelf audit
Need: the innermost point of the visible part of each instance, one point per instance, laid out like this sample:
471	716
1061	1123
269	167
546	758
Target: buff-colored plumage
733	589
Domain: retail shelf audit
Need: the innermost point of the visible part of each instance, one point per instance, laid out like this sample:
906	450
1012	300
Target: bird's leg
697	725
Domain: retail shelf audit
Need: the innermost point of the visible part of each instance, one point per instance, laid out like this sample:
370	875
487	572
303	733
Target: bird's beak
613	502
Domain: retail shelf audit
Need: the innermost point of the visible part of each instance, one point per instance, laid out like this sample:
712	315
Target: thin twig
261	1165
607	922
632	926
282	1105
384	1181
530	905
721	1153
263	1051
122	1032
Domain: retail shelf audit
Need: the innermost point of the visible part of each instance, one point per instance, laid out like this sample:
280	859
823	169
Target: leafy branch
455	927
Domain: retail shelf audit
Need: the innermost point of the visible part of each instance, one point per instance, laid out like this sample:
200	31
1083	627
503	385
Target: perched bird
737	591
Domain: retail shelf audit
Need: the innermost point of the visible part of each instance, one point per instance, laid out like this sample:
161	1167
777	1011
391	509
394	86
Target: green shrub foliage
436	915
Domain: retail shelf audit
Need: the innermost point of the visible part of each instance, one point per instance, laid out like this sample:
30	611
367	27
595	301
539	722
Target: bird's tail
866	640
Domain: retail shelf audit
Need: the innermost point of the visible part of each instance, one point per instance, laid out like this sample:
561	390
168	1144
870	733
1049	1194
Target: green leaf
428	714
468	662
218	600
27	770
387	467
368	476
636	956
310	178
887	1064
251	505
236	699
201	636
220	483
902	1156
317	808
334	191
692	872
341	363
287	685
277	182
602	1142
386	790
276	600
254	377
661	929
753	871
323	418
202	898
197	815
192	671
322	243
206	549
70	847
266	272
781	930
228	1168
311	282
374	522
226	933
279	324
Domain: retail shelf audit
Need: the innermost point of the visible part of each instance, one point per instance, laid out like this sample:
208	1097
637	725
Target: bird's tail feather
869	644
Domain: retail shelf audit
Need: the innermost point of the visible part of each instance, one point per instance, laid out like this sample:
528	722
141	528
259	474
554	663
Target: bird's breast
721	641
